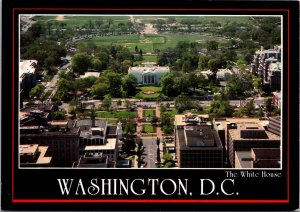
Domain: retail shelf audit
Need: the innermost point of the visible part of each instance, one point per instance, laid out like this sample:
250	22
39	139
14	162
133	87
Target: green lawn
148	43
149	58
148	113
149	88
148	128
117	114
79	21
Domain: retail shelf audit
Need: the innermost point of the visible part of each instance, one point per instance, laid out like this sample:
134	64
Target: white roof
110	145
90	74
27	67
152	69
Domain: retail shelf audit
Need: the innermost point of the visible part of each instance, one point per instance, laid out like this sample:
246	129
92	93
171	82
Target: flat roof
28	149
88	122
181	138
244	158
27	67
180	120
222	122
90	74
150	69
42	159
235	135
110	145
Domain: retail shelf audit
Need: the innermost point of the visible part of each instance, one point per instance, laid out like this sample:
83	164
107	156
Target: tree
49	25
97	64
213	66
59	115
221	108
166	122
129	129
128	145
99	89
186	66
212	45
80	63
37	91
269	105
167	84
248	109
115	83
239	85
36	30
203	62
183	103
168	160
107	102
258	83
129	84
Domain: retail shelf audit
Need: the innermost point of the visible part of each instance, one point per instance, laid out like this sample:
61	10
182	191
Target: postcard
140	107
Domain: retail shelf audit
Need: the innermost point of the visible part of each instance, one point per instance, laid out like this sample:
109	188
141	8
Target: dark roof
195	139
111	130
88	122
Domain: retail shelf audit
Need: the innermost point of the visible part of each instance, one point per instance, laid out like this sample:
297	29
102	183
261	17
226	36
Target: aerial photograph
150	91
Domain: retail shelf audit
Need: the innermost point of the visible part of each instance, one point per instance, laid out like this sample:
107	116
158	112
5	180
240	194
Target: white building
27	77
148	74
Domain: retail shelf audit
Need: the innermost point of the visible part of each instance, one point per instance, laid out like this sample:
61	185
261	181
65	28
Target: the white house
148	74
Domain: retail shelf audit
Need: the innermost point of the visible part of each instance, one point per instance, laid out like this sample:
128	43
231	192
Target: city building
277	99
267	65
275	125
38	114
61	137
258	158
148	74
222	74
198	146
27	76
90	74
258	65
242	136
97	137
274	76
33	155
190	118
221	125
91	160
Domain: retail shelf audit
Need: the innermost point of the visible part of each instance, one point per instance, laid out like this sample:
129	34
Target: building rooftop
275	66
28	149
198	137
29	152
189	118
88	122
244	158
110	145
90	74
26	67
221	123
151	69
42	158
236	135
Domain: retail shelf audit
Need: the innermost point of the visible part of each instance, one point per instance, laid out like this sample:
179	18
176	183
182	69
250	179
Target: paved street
150	151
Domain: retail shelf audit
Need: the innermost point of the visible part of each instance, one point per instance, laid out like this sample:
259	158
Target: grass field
117	114
148	43
78	21
149	88
148	113
148	128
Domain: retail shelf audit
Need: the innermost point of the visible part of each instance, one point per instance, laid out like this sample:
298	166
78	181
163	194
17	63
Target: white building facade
148	75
